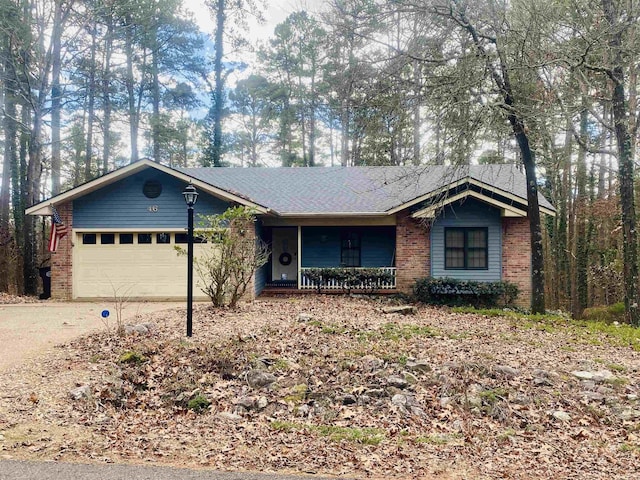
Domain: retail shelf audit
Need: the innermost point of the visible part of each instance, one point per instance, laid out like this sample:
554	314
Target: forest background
87	86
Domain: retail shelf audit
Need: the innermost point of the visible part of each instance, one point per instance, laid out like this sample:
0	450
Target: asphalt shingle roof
367	190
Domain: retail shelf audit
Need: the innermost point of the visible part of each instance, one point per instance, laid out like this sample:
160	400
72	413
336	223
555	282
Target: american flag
58	230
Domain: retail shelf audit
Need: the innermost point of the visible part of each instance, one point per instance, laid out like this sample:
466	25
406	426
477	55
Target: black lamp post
190	197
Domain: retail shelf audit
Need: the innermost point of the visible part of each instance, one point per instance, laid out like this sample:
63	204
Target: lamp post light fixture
190	197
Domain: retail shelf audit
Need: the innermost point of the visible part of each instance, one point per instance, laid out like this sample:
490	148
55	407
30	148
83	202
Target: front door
285	254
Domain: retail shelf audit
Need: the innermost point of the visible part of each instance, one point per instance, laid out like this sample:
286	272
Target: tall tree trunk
106	95
218	96
155	94
625	165
8	125
91	95
500	76
56	95
344	134
134	118
579	298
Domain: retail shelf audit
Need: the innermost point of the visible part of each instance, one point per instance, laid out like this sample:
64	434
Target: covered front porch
299	252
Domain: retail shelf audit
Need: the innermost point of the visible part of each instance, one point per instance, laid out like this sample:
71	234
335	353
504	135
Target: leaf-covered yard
334	386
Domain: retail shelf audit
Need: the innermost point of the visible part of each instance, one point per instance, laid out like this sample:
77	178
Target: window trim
466	249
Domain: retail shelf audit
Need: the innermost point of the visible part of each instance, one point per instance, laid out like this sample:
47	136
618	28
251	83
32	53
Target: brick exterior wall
516	257
62	259
413	251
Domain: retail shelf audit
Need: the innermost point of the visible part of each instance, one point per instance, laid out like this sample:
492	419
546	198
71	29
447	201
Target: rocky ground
335	386
9	299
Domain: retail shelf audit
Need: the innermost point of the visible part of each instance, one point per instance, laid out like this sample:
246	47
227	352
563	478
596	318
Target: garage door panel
138	270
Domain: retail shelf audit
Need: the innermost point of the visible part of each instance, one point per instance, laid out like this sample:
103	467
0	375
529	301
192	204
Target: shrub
607	314
450	291
231	256
349	278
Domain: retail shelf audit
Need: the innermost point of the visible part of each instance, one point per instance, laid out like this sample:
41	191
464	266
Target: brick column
62	259
413	251
516	256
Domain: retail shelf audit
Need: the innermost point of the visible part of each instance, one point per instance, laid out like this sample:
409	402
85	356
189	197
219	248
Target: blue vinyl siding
470	213
263	271
321	246
123	205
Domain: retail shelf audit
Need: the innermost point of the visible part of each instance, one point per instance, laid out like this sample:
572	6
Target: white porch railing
333	284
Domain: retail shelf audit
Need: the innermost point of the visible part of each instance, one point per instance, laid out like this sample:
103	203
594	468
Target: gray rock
138	328
80	393
474	400
400	400
582	374
410	378
372	363
375	392
246	402
593	396
259	378
562	416
418	365
262	403
540	373
445	401
349	400
231	417
542	382
506	371
588	384
364	400
632	397
304	317
397	381
418	412
303	410
602	376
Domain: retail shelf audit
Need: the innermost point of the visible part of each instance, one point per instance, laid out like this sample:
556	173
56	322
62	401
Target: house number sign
152	208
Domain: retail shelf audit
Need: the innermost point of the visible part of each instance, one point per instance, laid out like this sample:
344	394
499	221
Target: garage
130	265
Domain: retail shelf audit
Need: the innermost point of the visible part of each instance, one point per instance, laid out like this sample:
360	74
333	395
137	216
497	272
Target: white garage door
131	265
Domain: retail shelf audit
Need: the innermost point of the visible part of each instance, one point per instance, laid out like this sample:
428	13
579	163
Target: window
107	238
350	249
466	249
89	238
144	238
126	238
152	189
184	238
163	238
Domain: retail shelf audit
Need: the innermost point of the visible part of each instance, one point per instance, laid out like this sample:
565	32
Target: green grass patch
363	436
623	335
131	356
199	403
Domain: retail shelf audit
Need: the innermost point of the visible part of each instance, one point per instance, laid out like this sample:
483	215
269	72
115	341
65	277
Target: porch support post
299	256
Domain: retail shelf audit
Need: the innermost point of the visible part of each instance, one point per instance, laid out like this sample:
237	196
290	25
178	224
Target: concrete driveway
29	329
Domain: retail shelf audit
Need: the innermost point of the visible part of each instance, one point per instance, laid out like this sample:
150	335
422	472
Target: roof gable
44	208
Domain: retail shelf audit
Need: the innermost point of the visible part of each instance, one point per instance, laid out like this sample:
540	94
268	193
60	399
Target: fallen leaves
330	385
